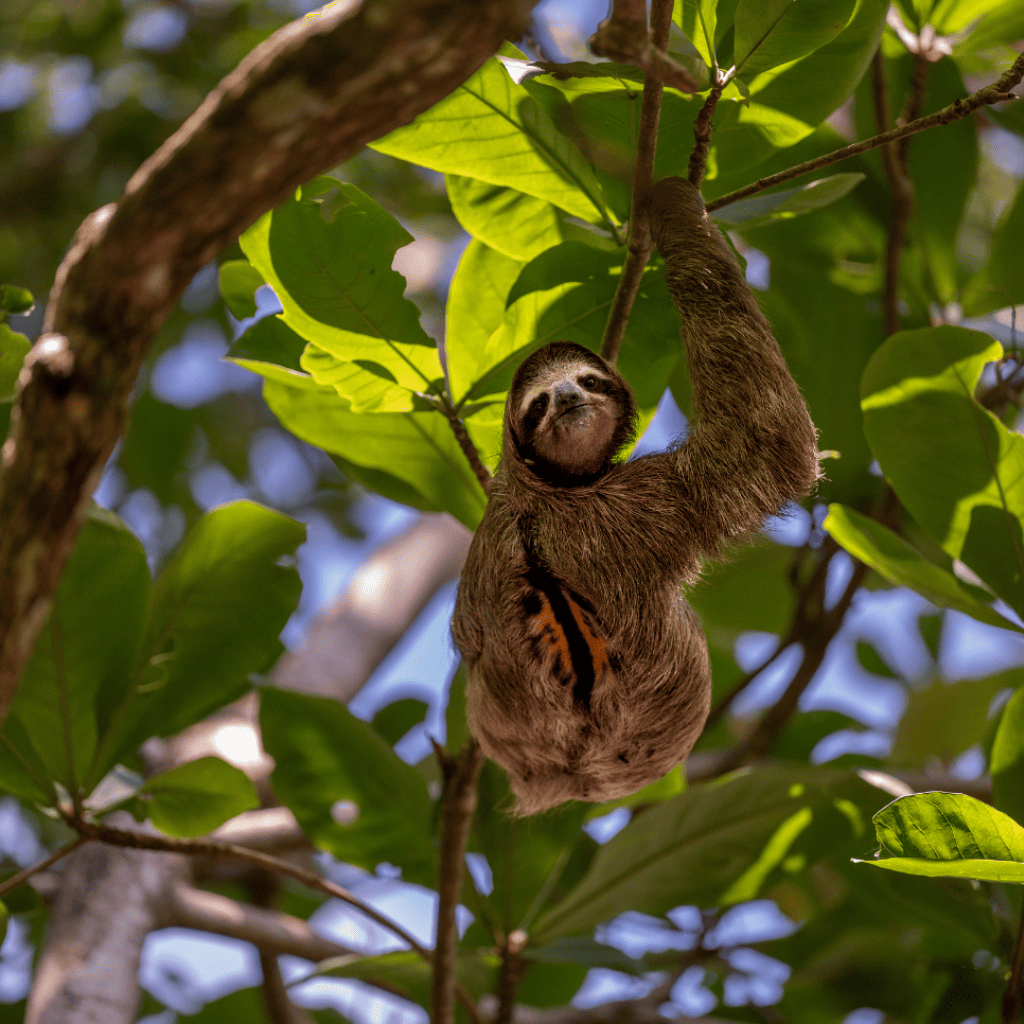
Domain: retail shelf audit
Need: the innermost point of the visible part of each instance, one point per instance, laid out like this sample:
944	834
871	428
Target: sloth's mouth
573	409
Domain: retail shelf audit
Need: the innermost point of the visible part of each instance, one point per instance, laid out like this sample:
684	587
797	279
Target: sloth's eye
539	404
589	382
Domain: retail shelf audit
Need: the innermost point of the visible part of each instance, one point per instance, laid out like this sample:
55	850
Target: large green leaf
942	167
476	309
788	102
327	252
773	32
516	224
13	349
953	464
999	283
89	644
196	797
704	22
412	457
898	562
350	792
951	835
716	844
494	130
217	610
1007	760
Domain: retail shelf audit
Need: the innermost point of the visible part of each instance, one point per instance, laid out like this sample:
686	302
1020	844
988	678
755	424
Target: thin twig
23	876
998	92
508	976
640	243
1013	998
702	135
458	804
88	830
482	473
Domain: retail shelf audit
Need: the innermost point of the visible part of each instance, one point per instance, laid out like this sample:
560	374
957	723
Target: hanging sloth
588	671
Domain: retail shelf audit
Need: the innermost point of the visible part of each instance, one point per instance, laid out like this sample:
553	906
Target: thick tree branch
998	92
640	243
308	98
458	804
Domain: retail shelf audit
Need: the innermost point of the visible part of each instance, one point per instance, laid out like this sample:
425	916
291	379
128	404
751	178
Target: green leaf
13	349
943	168
752	590
895	560
516	224
412	457
14	299
350	792
944	719
1007	761
788	102
5	917
954	465
715	845
580	949
950	835
394	720
89	643
526	856
239	281
217	610
788	203
456	725
699	22
476	309
196	797
327	253
999	282
494	130
274	351
774	32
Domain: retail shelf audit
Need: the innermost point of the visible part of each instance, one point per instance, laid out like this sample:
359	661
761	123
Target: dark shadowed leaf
350	792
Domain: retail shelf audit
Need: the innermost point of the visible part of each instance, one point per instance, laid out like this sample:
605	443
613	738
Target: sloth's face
571	412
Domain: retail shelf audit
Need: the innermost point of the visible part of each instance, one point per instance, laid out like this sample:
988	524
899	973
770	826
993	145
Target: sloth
588	673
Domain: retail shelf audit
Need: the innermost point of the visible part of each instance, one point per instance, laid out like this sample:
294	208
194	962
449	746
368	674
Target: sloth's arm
752	446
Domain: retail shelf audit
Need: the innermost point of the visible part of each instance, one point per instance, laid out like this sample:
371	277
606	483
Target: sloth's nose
566	396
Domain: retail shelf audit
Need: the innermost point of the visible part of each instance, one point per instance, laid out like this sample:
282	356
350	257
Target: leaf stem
998	92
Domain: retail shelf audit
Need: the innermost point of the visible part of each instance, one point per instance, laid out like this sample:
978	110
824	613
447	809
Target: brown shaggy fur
588	671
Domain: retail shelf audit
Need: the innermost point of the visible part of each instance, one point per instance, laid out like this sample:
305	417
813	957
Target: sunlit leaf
494	130
898	562
951	835
13	349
